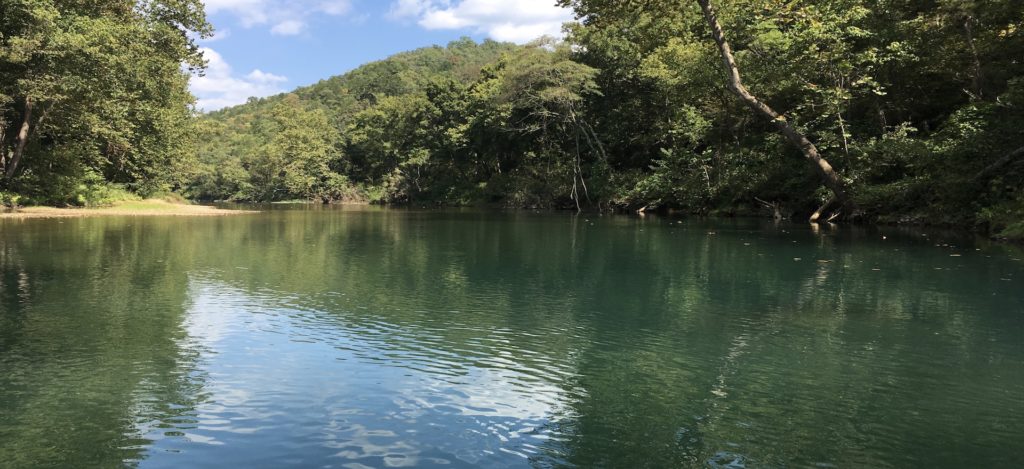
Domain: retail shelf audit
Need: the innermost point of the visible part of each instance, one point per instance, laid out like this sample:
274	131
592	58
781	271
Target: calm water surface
384	338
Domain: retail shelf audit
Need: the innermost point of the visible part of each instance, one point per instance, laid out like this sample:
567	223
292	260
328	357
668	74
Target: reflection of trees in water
818	360
89	331
812	356
671	346
456	292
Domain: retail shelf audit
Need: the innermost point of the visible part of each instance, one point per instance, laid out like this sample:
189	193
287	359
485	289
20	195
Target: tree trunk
3	154
21	140
976	78
799	140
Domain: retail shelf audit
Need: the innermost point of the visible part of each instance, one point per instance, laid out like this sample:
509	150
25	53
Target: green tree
298	155
529	112
95	87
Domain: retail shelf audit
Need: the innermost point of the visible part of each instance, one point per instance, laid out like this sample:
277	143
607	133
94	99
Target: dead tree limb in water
775	207
798	139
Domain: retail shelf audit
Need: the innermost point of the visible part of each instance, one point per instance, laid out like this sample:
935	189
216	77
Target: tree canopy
915	106
95	89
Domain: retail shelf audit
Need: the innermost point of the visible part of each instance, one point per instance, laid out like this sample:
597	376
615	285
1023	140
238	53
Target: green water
386	338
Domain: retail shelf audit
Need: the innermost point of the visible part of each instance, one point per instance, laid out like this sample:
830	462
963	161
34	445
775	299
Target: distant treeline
915	107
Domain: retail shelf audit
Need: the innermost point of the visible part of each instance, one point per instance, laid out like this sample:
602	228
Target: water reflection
355	389
376	338
82	374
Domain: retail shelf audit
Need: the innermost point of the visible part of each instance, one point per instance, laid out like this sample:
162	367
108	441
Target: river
370	337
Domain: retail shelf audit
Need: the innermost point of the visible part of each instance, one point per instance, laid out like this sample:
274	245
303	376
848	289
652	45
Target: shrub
10	199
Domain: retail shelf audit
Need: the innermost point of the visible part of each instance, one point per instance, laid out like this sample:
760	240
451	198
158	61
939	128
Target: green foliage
675	178
909	101
916	106
94	191
1015	230
468	123
1005	219
10	199
100	87
82	190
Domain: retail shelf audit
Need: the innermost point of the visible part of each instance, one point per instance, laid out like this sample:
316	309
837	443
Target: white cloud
286	17
288	28
409	8
336	7
220	88
260	76
249	12
504	20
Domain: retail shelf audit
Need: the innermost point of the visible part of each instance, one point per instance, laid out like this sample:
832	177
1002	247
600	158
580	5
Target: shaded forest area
915	107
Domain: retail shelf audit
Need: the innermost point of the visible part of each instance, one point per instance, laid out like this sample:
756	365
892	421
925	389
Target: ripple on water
368	342
377	393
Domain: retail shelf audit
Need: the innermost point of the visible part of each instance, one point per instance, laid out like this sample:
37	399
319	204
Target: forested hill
408	72
364	136
904	111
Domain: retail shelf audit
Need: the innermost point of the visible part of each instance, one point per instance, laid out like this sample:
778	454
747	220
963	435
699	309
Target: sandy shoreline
147	208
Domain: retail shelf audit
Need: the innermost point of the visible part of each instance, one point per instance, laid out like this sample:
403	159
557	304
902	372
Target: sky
266	47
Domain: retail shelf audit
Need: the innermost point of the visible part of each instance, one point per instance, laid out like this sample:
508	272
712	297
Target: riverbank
142	208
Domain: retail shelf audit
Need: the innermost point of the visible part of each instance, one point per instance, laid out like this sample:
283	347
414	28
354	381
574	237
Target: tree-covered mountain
903	111
914	107
453	125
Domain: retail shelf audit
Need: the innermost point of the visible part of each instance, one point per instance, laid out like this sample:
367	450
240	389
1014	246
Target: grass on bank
95	197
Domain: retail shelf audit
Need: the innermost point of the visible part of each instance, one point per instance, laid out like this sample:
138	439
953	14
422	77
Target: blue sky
264	47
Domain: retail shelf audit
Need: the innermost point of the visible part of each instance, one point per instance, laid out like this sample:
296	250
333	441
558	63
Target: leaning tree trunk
21	140
831	178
